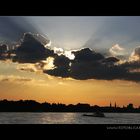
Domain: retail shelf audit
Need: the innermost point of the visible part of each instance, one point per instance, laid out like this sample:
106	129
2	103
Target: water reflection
68	118
58	118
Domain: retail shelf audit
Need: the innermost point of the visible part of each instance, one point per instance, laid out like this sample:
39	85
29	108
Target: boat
96	114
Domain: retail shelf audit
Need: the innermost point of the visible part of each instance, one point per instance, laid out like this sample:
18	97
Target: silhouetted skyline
33	106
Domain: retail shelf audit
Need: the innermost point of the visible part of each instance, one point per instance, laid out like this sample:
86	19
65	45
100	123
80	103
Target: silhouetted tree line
33	106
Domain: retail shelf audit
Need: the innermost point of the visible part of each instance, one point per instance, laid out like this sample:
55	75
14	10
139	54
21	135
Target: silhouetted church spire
110	105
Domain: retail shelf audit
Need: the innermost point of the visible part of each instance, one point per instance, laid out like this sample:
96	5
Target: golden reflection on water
58	118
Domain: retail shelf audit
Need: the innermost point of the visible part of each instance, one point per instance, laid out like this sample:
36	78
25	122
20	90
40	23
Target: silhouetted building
130	106
124	106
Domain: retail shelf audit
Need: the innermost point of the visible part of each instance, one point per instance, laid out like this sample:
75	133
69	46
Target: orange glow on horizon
93	92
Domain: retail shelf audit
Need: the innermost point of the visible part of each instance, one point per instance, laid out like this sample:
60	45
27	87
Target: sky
110	36
16	85
72	32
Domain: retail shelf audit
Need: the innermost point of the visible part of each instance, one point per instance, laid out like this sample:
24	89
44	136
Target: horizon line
110	105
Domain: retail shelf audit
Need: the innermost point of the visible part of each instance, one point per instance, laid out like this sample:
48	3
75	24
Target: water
68	118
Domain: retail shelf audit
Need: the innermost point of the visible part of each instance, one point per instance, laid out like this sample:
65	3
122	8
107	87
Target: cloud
105	71
61	61
69	54
110	60
3	51
27	67
32	50
60	72
58	51
42	39
62	64
61	51
116	50
87	55
64	67
97	70
133	68
21	80
33	56
37	67
135	56
13	78
89	64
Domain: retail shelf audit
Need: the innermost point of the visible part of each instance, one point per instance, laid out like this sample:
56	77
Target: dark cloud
62	65
87	55
31	50
131	66
3	49
61	61
96	70
87	64
91	65
135	76
42	39
60	72
4	52
110	60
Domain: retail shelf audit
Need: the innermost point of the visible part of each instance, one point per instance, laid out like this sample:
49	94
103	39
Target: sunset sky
117	37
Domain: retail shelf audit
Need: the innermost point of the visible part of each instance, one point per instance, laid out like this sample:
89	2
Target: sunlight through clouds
70	59
116	50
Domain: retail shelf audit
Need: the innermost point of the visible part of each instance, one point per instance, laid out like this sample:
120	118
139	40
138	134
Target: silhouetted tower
115	105
110	105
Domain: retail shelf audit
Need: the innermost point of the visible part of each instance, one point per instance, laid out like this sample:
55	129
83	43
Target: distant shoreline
33	106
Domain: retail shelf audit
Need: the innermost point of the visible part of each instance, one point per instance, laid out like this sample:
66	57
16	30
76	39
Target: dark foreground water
68	118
